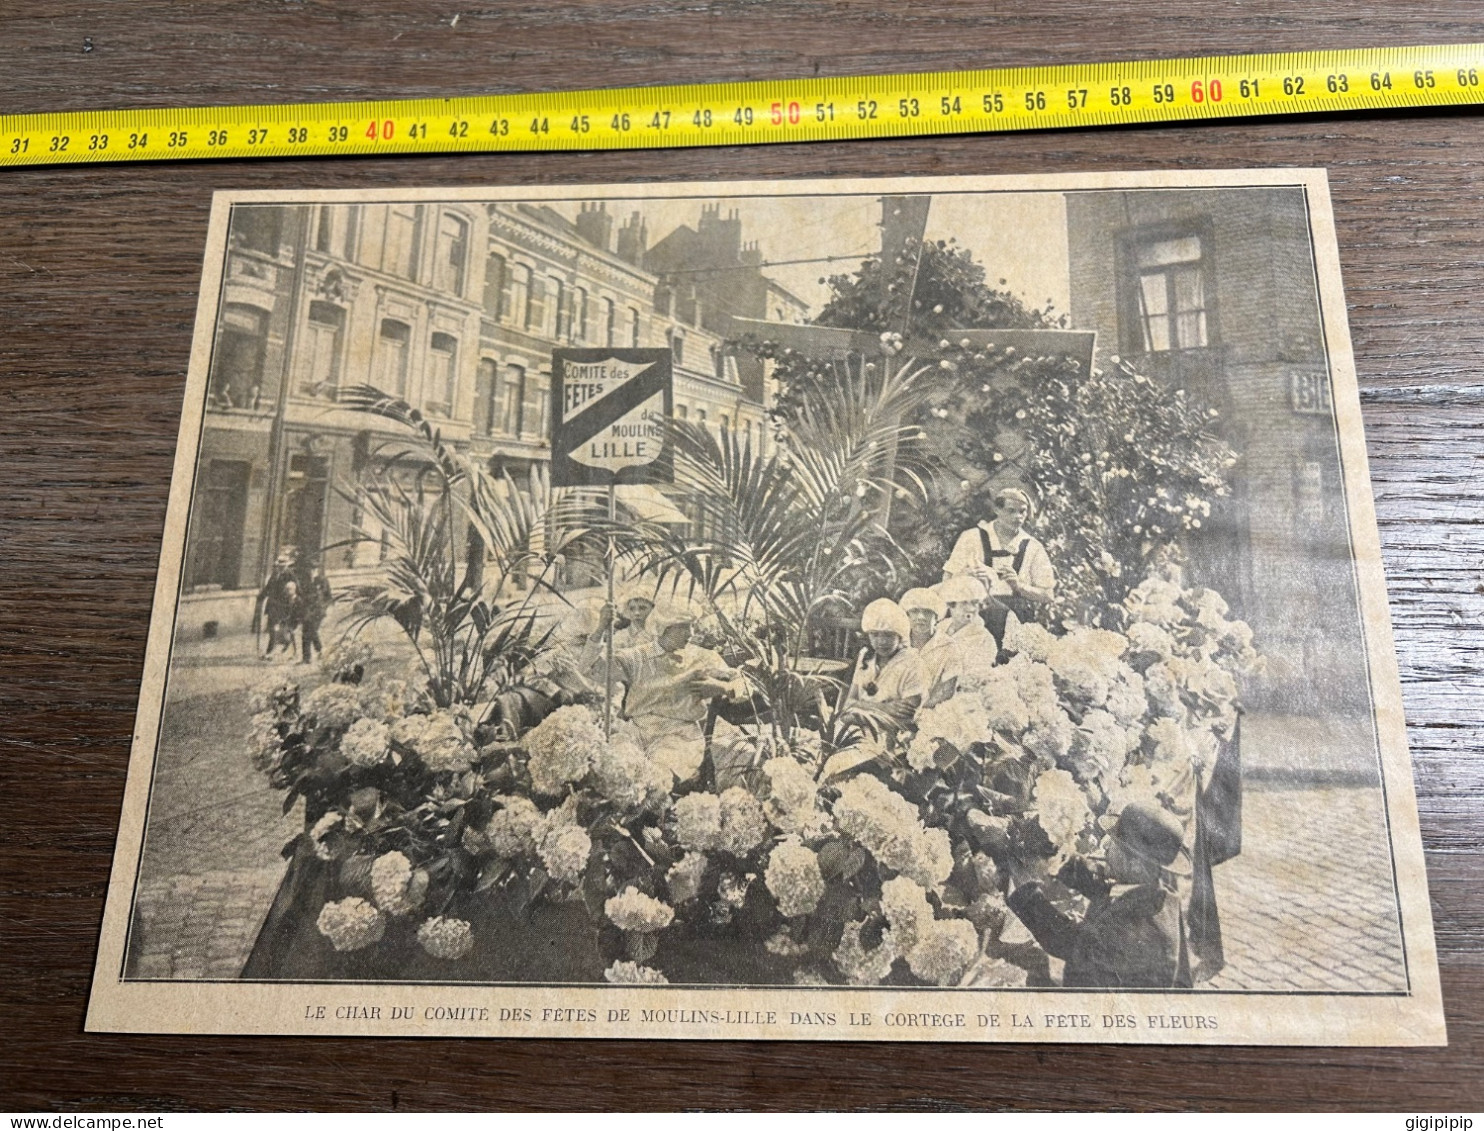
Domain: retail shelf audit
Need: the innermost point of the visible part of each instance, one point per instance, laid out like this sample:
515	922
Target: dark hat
1150	832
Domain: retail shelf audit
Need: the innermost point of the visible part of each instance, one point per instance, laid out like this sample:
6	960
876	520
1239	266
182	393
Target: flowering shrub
891	869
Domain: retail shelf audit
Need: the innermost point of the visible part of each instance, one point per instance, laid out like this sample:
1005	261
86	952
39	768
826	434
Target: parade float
460	826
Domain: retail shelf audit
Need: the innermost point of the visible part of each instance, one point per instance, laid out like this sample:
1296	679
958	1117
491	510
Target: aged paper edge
793	1013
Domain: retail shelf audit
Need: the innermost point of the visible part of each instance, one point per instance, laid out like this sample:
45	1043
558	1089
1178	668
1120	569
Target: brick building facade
1214	291
454	306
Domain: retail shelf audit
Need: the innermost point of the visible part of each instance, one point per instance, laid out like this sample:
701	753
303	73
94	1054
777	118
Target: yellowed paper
984	637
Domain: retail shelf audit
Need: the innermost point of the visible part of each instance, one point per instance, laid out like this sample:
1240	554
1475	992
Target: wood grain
98	274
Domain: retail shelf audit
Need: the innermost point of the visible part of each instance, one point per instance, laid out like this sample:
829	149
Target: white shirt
968	552
942	662
901	677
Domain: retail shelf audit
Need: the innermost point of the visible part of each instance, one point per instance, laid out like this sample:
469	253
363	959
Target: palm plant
782	534
471	643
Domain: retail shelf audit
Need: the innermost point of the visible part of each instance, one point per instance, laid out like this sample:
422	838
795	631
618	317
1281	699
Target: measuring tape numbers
755	113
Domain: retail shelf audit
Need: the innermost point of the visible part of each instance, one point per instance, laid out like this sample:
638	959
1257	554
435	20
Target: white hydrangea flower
274	695
322	829
366	742
792	802
698	821
563	748
1126	700
408	729
626	776
1051	737
633	974
1032	641
684	877
396	886
1166	739
515	827
945	951
632	910
1099	746
1145	636
794	878
860	965
743	825
389	699
351	924
333	704
1162	690
443	746
886	825
1061	809
959	721
564	850
264	746
1135	785
1004	702
446	938
907	910
343	658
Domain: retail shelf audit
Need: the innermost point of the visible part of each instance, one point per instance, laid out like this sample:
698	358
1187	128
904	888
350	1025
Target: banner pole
612	615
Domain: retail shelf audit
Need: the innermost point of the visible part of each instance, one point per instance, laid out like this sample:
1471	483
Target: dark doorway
221	512
305	494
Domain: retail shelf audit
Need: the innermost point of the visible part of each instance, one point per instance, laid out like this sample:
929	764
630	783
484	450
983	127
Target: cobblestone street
1306	906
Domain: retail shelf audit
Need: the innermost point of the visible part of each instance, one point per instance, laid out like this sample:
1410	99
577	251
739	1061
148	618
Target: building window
257	227
554	323
677	346
533	411
216	534
726	422
579	315
700	416
442	383
324	231
237	360
610	322
451	264
494	286
512	395
518	306
682	412
322	349
400	237
390	374
633	327
486	382
352	214
1170	293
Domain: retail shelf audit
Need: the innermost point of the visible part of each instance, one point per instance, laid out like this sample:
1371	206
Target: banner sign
608	411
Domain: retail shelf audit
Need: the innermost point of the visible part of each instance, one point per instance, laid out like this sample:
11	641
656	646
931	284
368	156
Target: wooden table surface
98	277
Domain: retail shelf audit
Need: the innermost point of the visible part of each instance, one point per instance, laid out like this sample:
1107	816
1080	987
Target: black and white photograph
933	609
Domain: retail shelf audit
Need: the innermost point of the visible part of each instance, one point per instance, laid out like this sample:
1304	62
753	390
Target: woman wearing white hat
979	649
941	657
1011	563
888	673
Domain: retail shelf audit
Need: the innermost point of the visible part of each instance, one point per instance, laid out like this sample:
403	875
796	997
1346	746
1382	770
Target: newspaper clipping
927	609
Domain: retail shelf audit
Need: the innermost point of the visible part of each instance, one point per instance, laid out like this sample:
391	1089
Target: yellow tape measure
830	109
